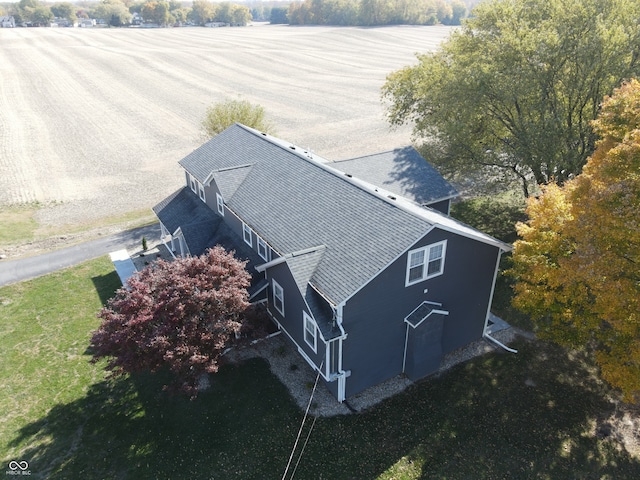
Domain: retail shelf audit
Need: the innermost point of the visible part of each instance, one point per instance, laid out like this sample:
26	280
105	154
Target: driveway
12	271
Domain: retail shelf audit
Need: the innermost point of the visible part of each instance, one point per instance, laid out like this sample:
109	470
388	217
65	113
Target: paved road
12	271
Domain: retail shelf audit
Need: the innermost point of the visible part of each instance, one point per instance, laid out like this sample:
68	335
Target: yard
537	414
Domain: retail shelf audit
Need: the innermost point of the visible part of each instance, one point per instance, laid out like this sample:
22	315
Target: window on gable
262	249
220	204
192	184
201	192
310	332
425	262
246	234
278	297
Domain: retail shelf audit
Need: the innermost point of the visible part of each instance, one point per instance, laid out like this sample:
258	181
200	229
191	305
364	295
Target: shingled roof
295	201
402	171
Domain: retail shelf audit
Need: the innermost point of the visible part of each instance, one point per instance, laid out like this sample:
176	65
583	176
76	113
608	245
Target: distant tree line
122	12
374	12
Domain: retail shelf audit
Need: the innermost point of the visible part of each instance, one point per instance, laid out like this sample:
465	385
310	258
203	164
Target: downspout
406	341
342	375
485	334
493	289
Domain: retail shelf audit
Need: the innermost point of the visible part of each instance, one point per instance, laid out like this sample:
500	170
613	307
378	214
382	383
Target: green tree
64	10
156	12
279	15
577	266
202	11
181	14
514	90
240	15
114	12
41	15
458	12
224	114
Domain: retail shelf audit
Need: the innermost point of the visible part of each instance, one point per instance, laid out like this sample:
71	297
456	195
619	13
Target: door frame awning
422	312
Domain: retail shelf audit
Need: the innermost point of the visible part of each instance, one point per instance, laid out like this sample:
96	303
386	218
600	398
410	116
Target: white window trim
262	243
192	184
425	265
279	296
220	204
246	231
201	193
307	320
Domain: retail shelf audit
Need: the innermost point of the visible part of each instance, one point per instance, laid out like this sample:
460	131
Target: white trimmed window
201	192
246	234
262	249
425	262
310	332
193	184
220	204
278	297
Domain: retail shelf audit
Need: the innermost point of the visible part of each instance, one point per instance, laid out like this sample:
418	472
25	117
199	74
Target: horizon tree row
374	12
120	12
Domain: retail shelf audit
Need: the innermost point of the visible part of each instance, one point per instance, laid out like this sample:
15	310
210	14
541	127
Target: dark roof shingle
402	171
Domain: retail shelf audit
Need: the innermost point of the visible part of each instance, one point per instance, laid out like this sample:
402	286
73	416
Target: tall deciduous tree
222	115
203	11
114	12
517	86
179	315
578	264
64	10
156	12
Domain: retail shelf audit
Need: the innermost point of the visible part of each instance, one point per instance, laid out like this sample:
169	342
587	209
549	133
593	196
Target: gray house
358	261
7	22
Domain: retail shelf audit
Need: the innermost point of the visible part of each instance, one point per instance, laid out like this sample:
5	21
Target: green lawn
530	415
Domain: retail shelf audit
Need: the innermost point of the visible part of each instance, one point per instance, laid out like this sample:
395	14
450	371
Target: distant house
358	261
86	22
7	22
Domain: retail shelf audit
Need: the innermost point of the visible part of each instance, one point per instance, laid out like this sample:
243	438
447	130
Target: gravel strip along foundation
292	370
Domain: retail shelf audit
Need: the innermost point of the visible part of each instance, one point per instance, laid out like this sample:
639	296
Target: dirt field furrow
94	121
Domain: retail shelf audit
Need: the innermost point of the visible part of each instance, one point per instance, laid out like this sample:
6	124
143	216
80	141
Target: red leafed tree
179	315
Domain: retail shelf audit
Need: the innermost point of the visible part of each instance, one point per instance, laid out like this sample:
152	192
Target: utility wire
304	419
303	447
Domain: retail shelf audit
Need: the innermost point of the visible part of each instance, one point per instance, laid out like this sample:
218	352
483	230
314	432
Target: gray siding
294	305
374	317
442	206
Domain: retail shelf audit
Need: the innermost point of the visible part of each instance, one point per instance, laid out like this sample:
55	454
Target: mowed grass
530	415
20	226
18	223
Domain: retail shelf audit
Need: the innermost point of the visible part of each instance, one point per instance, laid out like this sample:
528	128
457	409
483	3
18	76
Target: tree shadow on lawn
530	415
242	427
499	416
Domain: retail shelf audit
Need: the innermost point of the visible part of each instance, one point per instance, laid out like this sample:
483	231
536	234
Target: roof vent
264	134
292	147
349	175
392	197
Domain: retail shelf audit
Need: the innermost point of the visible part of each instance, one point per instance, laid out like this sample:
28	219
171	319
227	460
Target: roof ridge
373	154
402	203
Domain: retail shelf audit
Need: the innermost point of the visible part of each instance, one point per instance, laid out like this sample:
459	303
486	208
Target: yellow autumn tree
577	264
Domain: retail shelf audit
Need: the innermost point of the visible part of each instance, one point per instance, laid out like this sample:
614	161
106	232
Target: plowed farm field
94	121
